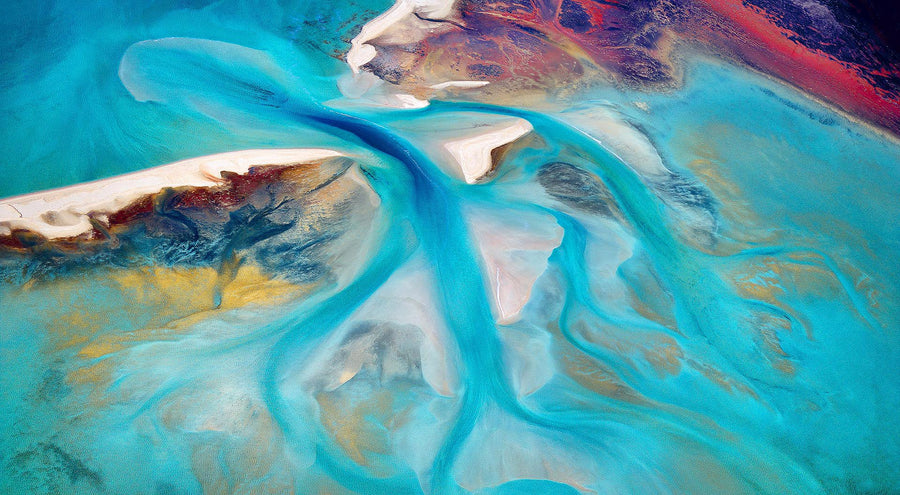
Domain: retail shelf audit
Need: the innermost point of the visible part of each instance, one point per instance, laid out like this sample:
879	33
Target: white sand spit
65	212
473	153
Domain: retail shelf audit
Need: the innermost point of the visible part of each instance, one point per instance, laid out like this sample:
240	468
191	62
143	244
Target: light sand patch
66	212
399	22
459	84
515	247
406	22
473	153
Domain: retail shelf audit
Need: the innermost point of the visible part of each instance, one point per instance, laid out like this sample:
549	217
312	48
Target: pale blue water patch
721	383
68	118
819	192
799	164
813	188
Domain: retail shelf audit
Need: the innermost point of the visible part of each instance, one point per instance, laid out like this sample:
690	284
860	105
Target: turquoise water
725	325
69	118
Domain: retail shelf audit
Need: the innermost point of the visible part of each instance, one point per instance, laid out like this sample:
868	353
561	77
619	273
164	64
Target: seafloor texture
474	247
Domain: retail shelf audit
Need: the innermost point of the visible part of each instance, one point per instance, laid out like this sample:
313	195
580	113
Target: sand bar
66	212
473	153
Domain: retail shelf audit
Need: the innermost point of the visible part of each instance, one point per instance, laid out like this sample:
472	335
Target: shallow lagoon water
720	317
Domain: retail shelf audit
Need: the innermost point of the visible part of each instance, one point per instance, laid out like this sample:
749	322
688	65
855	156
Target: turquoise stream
797	245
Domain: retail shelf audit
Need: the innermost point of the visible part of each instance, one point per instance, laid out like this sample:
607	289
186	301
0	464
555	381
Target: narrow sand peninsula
66	212
459	84
473	154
